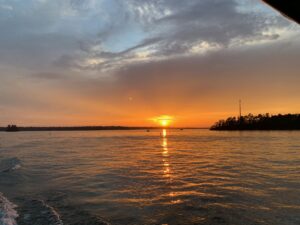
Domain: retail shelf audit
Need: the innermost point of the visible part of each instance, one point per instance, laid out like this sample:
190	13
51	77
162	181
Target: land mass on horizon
15	128
260	122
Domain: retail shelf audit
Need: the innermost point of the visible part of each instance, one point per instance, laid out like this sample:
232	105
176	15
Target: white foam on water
15	167
55	215
8	214
9	164
39	212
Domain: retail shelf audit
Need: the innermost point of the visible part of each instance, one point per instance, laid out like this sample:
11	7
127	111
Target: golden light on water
164	120
167	171
165	154
164	134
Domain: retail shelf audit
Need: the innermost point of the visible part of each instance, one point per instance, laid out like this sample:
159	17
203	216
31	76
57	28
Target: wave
72	214
37	212
9	164
8	214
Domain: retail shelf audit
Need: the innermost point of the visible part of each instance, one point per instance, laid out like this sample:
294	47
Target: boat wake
37	212
8	214
9	164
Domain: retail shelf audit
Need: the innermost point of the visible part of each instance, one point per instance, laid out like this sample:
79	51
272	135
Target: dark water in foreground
135	177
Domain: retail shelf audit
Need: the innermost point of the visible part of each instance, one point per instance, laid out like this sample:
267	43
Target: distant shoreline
95	128
263	122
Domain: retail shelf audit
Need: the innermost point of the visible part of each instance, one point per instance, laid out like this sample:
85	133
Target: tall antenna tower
240	108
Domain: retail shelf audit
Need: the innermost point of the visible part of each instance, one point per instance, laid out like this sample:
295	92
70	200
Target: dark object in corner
12	128
289	8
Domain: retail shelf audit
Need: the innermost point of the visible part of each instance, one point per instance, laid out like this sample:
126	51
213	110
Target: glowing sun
163	120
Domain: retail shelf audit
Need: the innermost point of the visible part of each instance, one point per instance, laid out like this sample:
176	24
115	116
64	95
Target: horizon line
91	128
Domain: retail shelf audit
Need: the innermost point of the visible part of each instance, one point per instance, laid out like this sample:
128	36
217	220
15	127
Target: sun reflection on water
167	172
165	153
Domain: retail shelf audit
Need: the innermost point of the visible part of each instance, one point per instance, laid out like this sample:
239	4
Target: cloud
6	7
177	29
173	83
106	35
185	57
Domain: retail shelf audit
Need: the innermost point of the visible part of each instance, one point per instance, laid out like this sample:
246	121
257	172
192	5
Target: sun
163	120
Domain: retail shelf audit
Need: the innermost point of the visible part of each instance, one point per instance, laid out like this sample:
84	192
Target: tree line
260	122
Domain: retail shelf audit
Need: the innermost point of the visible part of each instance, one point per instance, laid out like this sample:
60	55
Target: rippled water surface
139	177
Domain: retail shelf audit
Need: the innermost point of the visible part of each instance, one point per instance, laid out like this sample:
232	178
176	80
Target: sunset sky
125	62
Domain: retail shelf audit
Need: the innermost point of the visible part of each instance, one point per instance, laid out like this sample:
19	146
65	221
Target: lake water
139	177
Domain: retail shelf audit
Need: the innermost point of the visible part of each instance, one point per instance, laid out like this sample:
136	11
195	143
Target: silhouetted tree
260	122
12	128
